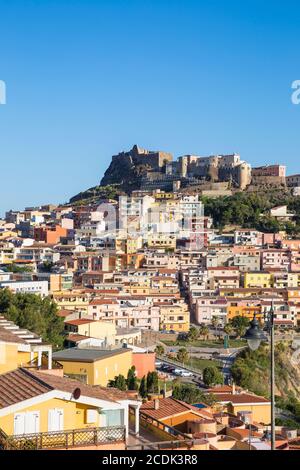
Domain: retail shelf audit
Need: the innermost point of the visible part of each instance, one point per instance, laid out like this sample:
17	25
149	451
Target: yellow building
257	279
161	240
175	317
19	347
259	407
72	300
7	233
93	329
94	366
6	254
244	311
44	403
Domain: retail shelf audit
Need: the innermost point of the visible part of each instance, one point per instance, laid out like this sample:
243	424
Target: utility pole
272	377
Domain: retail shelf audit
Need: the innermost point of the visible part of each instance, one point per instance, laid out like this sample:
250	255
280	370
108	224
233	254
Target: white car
185	373
158	364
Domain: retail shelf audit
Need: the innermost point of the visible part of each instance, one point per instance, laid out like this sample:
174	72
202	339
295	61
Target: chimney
233	388
156	404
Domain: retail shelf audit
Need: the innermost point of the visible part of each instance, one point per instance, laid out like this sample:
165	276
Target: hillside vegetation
242	209
34	313
97	193
245	209
251	370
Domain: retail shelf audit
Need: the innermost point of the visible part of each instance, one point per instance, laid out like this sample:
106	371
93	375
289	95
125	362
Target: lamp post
254	336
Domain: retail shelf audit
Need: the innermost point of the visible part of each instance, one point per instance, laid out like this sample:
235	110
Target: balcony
75	438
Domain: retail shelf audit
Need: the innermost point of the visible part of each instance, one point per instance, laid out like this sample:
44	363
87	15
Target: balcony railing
63	439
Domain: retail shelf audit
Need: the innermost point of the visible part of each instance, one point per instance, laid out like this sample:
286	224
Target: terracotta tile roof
240	398
8	337
244	433
75	338
17	386
68	385
79	321
21	384
170	407
223	268
104	302
64	313
221	389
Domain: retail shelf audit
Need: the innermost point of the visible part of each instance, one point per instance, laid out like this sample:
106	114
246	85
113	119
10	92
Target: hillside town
122	319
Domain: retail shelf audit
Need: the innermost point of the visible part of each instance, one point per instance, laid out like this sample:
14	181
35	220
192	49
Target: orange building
51	235
244	311
144	363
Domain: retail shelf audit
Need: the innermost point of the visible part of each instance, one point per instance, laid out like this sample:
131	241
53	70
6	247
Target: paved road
227	356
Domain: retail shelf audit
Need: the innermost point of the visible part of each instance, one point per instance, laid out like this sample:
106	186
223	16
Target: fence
63	439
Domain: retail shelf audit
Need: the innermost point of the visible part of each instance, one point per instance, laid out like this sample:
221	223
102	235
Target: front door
55	420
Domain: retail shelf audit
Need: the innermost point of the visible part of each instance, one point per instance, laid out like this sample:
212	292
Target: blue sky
87	79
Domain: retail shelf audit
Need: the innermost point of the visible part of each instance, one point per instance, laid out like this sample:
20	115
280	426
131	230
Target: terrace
75	438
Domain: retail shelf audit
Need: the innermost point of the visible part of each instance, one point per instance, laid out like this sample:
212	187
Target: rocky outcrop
128	168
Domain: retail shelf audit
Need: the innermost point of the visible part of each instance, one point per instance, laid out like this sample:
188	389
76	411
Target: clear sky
87	79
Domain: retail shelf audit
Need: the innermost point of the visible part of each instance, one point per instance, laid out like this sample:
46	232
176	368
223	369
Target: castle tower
244	175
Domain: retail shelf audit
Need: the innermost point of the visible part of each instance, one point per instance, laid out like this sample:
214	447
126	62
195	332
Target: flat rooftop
86	355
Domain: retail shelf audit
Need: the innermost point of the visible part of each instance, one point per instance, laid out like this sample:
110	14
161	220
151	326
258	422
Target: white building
28	287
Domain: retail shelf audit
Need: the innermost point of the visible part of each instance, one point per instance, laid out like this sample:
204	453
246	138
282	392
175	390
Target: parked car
186	373
158	364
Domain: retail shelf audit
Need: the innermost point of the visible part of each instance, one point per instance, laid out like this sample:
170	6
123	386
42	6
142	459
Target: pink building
275	258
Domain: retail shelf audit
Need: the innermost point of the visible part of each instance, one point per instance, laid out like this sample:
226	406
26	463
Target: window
113	417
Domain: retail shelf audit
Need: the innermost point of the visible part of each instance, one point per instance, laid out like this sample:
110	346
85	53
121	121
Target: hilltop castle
149	170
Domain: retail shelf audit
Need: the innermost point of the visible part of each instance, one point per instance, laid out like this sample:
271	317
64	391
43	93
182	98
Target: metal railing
146	421
186	444
63	439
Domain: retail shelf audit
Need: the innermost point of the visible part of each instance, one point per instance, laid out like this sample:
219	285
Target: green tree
193	333
188	393
240	324
143	388
131	379
118	382
183	355
34	313
212	376
160	350
215	323
204	331
15	268
152	382
228	329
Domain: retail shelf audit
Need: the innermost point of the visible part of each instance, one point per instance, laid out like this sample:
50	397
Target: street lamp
254	336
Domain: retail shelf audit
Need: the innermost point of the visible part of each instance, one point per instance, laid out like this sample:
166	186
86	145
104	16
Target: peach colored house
143	362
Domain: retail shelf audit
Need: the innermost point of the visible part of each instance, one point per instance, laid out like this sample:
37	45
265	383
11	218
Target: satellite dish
76	393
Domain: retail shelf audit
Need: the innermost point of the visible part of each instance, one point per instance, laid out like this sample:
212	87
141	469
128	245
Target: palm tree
228	329
160	350
204	331
215	323
240	330
193	333
183	355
